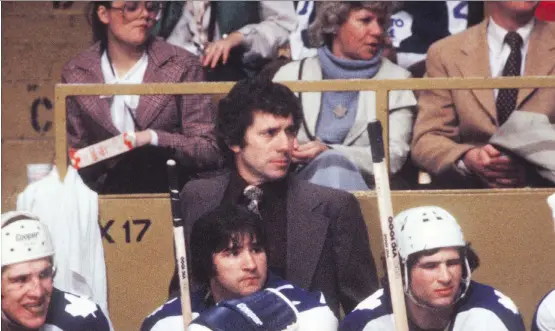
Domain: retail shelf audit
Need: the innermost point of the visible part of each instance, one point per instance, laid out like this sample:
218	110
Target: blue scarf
338	109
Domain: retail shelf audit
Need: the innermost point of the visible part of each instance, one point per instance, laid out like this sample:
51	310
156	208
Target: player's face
26	291
241	270
436	279
266	154
360	37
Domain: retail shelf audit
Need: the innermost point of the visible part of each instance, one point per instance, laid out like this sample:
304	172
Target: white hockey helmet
424	228
24	238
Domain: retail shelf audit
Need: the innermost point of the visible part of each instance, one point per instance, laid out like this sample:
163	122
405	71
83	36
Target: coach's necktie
506	98
254	195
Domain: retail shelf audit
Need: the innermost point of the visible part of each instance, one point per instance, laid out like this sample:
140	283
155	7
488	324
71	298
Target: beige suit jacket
449	123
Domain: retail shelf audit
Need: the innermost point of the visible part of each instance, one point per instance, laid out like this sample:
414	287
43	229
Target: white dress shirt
124	107
499	51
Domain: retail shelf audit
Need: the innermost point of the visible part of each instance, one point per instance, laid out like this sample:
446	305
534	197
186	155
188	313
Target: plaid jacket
184	123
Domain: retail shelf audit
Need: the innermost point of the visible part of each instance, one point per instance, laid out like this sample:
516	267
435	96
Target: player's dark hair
235	110
214	232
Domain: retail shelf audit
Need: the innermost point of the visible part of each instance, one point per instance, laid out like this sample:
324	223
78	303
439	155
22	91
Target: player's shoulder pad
263	310
369	309
68	311
481	296
301	299
544	317
169	309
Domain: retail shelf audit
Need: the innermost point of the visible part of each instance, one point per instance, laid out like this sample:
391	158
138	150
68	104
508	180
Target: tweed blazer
356	146
451	122
327	240
182	122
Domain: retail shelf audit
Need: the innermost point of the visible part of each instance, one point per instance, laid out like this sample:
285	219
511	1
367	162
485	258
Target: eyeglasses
132	9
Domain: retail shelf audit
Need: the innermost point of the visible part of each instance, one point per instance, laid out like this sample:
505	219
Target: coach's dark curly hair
235	110
213	232
330	16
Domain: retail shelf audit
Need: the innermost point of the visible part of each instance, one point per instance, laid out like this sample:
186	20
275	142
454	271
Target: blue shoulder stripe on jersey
486	297
68	311
535	326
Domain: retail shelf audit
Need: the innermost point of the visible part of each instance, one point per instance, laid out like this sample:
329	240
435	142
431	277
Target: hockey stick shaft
180	244
383	192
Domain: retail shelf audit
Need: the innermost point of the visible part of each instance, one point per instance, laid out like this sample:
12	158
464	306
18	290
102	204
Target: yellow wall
37	39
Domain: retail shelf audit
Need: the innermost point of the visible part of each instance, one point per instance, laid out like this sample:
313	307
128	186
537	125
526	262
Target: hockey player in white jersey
29	299
437	265
544	318
237	291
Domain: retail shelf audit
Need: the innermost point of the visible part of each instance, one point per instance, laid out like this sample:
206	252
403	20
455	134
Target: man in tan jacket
453	127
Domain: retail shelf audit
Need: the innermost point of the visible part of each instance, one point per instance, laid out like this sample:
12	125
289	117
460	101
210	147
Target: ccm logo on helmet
392	236
28	236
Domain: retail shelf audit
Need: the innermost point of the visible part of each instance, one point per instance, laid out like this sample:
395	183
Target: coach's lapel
306	234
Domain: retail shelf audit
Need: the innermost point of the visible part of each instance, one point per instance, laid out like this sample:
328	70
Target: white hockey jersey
483	308
544	318
69	312
312	312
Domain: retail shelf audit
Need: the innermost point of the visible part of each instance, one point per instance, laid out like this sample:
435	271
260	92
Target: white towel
70	210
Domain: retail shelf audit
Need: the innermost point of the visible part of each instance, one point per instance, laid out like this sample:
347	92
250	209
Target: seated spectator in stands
334	148
418	24
29	299
415	25
453	128
179	126
436	265
237	290
234	39
256	126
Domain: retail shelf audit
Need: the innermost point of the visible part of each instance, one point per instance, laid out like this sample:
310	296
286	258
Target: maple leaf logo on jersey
506	302
79	306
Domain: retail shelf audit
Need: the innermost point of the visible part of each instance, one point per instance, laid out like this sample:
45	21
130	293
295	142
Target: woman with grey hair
333	145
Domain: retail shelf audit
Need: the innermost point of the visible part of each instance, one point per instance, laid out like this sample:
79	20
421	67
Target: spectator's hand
220	49
494	168
143	138
306	152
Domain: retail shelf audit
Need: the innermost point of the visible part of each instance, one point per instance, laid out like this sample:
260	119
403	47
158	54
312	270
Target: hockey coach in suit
317	238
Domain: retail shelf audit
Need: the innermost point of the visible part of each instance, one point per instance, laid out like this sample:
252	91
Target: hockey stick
179	240
383	192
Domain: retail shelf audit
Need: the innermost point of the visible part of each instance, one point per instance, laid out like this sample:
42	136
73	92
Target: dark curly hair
235	110
214	231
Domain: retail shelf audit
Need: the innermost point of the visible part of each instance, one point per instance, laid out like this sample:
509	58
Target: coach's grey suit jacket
327	242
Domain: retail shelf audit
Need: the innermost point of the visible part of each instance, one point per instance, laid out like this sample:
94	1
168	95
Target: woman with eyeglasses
178	126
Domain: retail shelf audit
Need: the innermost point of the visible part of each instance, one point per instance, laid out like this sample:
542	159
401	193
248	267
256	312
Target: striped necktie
506	98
